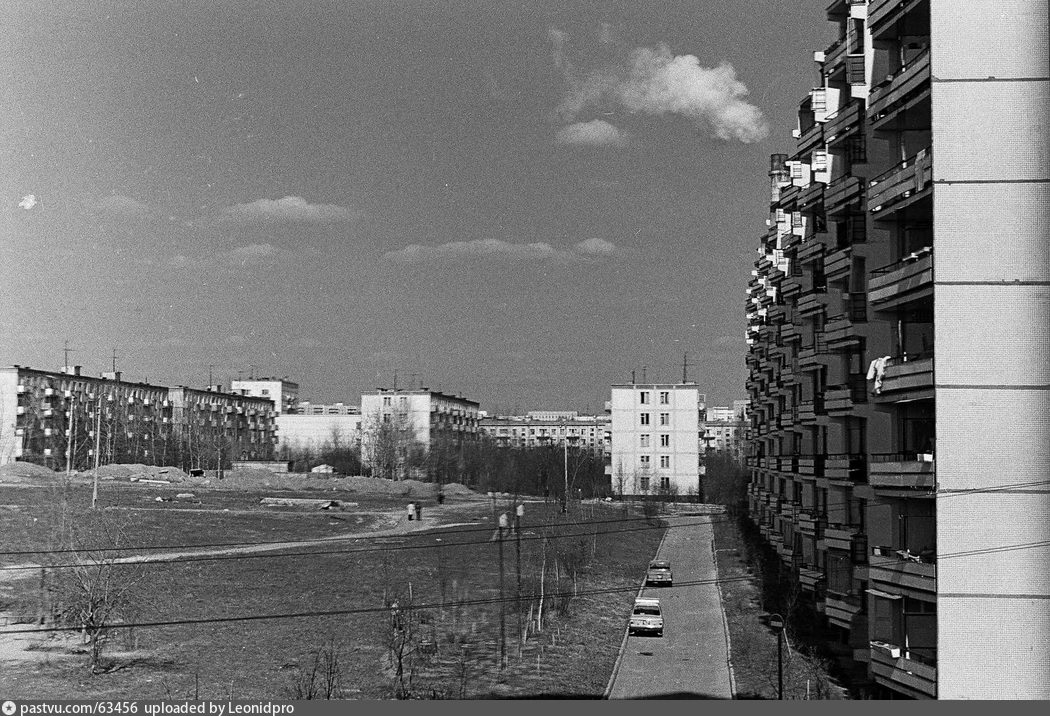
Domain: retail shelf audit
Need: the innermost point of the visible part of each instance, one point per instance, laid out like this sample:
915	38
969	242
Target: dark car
659	574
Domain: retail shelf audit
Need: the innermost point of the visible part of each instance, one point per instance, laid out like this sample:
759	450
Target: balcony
842	537
788	196
811	250
842	332
789	333
906	378
902	471
811	465
893	669
835	56
899	92
812	355
847	467
810	579
791	285
843	124
842	194
884	16
840	400
907	280
811	138
837	263
845	610
811	302
902	185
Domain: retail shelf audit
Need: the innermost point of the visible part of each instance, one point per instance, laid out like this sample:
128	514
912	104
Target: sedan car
659	574
646	617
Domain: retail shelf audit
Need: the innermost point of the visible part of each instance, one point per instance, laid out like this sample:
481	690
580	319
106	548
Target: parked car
646	617
659	574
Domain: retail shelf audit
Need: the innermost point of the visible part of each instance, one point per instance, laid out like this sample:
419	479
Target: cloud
28	202
288	209
495	248
119	205
656	82
252	253
595	133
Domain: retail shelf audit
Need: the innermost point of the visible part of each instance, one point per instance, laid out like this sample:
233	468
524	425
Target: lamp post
518	514
502	601
565	495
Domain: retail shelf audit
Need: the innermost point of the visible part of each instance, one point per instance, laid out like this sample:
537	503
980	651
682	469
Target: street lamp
565	495
777	622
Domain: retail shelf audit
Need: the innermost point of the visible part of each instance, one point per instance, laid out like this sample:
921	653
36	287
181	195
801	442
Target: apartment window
386	400
820	161
403	400
644	484
665	397
665	418
643	441
820	100
645	418
645	460
665	461
386	417
665	483
796	170
665	440
643	397
265	391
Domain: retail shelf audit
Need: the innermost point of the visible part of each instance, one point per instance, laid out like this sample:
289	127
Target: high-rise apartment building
898	330
283	392
656	438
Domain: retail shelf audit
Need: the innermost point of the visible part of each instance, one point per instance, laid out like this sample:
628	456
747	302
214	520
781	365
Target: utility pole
565	495
518	514
502	601
98	447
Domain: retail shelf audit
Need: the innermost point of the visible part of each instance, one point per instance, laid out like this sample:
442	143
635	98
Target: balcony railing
907	377
811	465
845	466
891	667
904	280
901	184
844	123
811	301
882	14
915	471
842	193
892	94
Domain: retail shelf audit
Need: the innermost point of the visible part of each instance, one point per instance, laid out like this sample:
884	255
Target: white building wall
632	461
9	445
991	152
310	432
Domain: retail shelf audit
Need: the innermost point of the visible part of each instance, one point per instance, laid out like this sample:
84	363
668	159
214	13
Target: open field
452	648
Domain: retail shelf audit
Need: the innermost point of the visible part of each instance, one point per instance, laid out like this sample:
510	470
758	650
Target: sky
517	202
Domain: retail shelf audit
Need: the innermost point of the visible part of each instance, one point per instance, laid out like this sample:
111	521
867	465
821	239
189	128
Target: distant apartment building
725	429
314	426
420	420
56	418
898	330
283	392
215	427
656	432
539	427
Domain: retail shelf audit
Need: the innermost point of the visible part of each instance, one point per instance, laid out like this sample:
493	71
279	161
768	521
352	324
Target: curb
627	630
725	620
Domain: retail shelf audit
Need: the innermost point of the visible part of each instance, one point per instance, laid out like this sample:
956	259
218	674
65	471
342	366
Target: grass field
453	652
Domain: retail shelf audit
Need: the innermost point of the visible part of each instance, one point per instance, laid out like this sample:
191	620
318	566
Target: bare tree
320	677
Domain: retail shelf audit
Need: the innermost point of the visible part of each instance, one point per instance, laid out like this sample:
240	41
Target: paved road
690	660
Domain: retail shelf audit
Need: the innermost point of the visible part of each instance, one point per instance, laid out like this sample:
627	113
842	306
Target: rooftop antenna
114	360
632	378
240	373
395	379
251	376
644	368
685	366
210	383
66	350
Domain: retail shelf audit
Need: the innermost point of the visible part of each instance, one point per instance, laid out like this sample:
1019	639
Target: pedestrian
411	511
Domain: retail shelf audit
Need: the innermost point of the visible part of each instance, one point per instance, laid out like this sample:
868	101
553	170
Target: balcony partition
902	185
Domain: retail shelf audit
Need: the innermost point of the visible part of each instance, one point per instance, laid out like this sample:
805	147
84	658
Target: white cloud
240	256
251	253
120	205
495	248
595	133
28	202
654	81
288	209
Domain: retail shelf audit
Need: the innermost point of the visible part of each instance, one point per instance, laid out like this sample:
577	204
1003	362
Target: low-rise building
538	428
283	392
